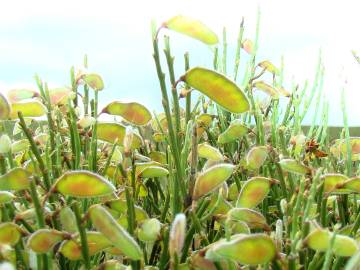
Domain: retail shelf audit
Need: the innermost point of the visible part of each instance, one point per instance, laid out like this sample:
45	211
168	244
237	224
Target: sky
48	37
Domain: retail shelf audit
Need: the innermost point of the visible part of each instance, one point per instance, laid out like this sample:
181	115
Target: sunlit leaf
60	96
211	179
253	192
10	233
235	131
192	28
266	88
218	88
353	184
6	197
83	184
29	108
268	66
16	95
207	151
132	112
252	218
94	81
43	240
110	132
245	249
117	235
71	249
293	166
256	157
5	144
15	179
4	108
320	239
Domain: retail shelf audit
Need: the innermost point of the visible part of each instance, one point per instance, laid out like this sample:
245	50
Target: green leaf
83	184
235	131
16	179
132	112
16	95
333	182
94	81
153	171
252	218
245	249
149	230
256	157
207	151
192	28
218	88
211	179
117	235
6	197
293	166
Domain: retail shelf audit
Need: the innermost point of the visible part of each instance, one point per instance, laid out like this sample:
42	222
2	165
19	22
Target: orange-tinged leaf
320	240
4	108
207	151
293	166
248	46
256	157
192	28
60	96
268	66
353	184
15	179
218	88
6	197
43	240
16	95
235	131
94	81
71	249
132	112
252	218
334	182
250	249
116	234
253	192
266	88
10	233
83	184
110	132
211	179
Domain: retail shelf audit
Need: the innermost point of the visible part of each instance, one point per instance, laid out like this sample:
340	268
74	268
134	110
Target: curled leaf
83	184
266	88
218	88
192	28
132	112
268	66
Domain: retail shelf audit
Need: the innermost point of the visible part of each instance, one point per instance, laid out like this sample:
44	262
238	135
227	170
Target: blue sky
48	37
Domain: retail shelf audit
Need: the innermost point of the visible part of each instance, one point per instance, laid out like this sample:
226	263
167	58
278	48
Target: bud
283	206
128	139
177	235
279	234
86	121
149	230
5	144
6	266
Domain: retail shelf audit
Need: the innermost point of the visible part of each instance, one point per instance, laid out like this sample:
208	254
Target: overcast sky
48	37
